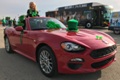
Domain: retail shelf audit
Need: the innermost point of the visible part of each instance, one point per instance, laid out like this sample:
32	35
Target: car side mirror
19	28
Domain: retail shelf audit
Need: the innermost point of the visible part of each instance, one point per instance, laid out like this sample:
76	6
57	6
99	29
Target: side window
87	14
41	23
33	23
37	23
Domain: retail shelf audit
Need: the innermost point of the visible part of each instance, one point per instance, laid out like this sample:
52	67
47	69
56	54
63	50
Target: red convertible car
59	50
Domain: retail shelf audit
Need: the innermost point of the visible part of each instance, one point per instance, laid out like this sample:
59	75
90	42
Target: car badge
104	41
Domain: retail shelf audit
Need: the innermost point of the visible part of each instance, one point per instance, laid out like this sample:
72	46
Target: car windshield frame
40	23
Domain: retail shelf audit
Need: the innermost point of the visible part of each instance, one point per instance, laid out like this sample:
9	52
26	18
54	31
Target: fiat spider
59	50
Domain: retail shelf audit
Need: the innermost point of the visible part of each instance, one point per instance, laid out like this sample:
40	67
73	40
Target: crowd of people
8	22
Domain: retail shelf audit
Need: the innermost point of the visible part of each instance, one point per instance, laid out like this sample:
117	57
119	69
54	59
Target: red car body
98	54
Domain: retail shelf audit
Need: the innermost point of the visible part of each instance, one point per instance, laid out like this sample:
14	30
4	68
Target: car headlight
72	47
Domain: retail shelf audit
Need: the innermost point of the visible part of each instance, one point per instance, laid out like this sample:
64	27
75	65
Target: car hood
86	37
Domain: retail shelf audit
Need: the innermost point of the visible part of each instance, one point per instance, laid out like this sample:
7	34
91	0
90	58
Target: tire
88	25
116	32
47	61
7	45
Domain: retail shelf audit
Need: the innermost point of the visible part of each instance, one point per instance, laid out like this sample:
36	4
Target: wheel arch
41	45
55	69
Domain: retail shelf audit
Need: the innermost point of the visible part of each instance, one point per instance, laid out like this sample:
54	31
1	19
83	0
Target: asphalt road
17	67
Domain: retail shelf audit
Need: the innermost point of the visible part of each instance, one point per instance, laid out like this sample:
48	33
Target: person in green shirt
32	11
21	21
3	22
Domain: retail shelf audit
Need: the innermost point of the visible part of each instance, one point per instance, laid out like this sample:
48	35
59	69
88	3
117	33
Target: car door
26	44
14	38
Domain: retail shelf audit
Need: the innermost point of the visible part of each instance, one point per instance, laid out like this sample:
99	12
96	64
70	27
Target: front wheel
47	61
88	25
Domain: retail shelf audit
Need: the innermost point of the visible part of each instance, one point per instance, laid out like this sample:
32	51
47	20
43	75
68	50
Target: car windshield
40	23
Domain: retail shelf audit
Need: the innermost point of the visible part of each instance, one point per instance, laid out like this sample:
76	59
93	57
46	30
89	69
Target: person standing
10	22
32	11
3	22
14	22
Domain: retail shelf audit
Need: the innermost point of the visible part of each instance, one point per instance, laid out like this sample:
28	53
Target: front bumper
89	64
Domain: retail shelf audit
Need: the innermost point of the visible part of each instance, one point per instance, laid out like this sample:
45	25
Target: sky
14	8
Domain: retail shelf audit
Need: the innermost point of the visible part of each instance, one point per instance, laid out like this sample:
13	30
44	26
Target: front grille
102	63
103	52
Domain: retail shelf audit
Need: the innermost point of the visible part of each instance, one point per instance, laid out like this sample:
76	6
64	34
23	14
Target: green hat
73	25
52	25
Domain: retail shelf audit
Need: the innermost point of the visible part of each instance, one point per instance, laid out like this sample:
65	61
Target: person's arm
28	13
38	14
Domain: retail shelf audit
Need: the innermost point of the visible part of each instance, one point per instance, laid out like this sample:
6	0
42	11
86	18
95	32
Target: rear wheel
88	25
8	46
47	61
